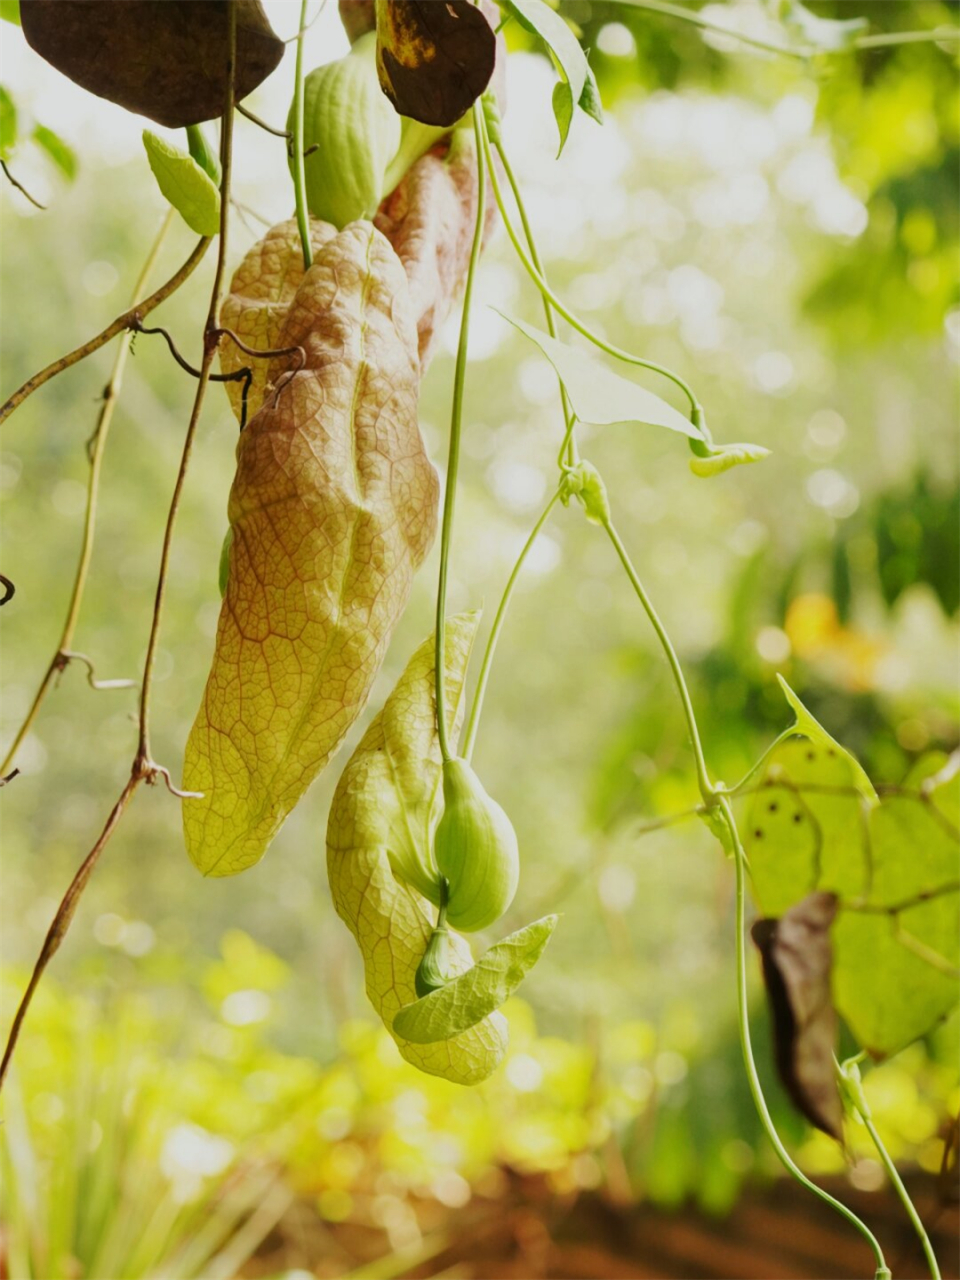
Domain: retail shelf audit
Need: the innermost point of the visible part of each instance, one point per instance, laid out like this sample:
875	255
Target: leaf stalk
456	425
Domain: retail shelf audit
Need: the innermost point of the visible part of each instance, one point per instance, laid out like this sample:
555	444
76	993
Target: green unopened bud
851	1089
205	155
476	849
433	972
355	131
593	495
585	482
491	115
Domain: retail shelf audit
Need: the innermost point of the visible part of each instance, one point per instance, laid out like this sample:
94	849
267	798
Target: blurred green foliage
782	232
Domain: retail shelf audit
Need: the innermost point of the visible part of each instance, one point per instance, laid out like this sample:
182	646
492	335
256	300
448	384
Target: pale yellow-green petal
386	798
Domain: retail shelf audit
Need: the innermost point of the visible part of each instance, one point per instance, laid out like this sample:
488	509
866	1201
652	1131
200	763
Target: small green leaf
8	124
473	996
562	101
590	98
10	11
598	395
537	17
811	728
185	185
62	156
828	35
722	457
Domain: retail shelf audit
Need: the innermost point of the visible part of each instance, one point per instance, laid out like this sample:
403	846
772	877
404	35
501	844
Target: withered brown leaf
429	220
165	59
435	57
797	958
332	509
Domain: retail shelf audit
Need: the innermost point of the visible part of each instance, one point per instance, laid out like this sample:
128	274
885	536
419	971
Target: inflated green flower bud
205	155
355	131
475	847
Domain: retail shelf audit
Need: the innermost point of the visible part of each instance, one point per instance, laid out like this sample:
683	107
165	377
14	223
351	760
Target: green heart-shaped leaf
598	395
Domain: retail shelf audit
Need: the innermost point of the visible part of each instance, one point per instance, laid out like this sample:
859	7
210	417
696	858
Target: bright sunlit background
782	234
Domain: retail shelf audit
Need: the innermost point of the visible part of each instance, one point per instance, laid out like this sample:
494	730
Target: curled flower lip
385	801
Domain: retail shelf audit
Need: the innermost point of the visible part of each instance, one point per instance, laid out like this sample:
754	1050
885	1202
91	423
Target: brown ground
527	1232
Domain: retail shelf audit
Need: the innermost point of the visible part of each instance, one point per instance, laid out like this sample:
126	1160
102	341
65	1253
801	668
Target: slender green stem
568	454
668	820
718	800
758	764
696	19
753	1079
268	128
886	39
707	790
473	723
456	423
801	52
299	180
905	1200
569	446
852	1087
617	352
444	903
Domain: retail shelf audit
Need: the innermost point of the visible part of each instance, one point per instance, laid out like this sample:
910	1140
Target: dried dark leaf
358	17
435	57
165	59
797	958
429	220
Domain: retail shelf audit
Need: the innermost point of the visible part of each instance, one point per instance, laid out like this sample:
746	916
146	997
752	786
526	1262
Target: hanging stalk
299	179
569	447
473	724
456	423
